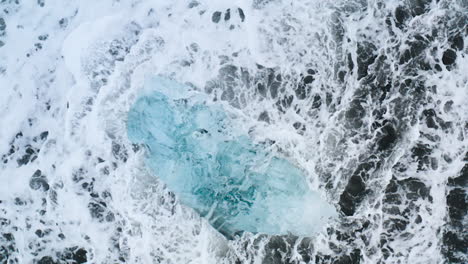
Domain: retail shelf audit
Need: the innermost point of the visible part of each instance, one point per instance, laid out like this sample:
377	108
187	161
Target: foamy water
367	97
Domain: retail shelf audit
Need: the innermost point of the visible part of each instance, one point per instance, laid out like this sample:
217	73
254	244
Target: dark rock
279	249
455	246
227	15
366	55
2	24
355	190
44	135
401	15
304	249
416	189
317	101
276	247
30	150
457	204
7	245
353	258
12	150
394	210
385	89
416	48
79	175
264	117
261	89
303	89
43	37
63	23
419	7
29	156
216	17
47	260
19	201
418	219
404	194
421	153
449	57
287	101
119	151
284	103
298	126
341	76
355	186
388	137
37	173
9	237
392	187
38	46
80	256
110	217
267	81
461	180
39	181
135	148
279	78
98	210
4	222
193	4
352	195
396	224
308	79
85	185
274	89
355	113
430	115
350	62
241	14
457	42
4	255
39	233
323	259
378	116
74	255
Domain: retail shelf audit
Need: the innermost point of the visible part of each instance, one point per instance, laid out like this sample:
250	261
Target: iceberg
232	182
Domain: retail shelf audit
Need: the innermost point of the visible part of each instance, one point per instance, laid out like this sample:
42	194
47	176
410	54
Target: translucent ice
224	176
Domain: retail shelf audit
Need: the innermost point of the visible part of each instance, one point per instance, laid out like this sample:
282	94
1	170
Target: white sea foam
79	82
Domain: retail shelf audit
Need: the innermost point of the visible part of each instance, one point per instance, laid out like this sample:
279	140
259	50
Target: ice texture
236	184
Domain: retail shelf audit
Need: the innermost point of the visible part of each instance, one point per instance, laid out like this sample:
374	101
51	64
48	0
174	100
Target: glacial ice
232	182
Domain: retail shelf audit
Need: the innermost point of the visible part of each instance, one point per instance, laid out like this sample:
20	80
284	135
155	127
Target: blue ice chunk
224	176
